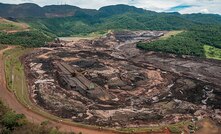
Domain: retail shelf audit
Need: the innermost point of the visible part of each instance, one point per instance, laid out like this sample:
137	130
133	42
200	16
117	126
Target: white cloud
204	6
204	10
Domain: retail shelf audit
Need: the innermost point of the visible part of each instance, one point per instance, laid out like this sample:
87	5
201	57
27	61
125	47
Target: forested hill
30	10
66	20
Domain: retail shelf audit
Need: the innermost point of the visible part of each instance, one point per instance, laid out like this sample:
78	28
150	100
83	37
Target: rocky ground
147	87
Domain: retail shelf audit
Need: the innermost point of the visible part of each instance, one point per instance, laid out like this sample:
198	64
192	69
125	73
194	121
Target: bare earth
143	88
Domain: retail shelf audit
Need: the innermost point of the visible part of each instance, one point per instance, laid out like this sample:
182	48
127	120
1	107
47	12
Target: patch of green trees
190	42
12	123
26	39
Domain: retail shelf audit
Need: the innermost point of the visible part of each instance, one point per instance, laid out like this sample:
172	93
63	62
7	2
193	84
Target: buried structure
109	82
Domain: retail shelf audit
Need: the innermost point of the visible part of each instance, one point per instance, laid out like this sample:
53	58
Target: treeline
190	42
27	39
12	123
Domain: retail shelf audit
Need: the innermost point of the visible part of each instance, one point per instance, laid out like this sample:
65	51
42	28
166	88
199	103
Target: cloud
179	8
182	6
204	11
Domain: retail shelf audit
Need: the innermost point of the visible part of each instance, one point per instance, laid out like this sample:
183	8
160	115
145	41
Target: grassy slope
212	52
19	33
170	34
7	26
15	76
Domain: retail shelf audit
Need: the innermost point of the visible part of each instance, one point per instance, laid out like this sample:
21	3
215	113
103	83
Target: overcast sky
182	6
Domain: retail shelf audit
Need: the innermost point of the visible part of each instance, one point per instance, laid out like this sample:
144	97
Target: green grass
170	34
212	52
6	25
15	77
90	36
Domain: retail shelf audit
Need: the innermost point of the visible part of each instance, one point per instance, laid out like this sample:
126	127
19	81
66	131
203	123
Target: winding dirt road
10	100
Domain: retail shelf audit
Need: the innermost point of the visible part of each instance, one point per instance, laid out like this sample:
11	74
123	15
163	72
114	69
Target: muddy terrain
109	82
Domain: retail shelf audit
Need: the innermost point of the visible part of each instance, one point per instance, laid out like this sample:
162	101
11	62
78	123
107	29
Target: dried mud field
120	85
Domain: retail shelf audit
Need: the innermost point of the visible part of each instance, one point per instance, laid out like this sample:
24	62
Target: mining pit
109	82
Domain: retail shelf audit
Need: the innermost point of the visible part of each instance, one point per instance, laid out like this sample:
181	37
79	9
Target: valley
116	69
127	87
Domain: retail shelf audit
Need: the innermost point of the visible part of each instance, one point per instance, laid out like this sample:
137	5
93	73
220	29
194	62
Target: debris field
107	81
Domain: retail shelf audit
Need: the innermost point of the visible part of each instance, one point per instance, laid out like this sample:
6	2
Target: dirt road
10	100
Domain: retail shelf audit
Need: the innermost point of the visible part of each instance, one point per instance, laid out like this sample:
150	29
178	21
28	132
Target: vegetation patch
12	123
15	76
80	37
179	44
26	39
187	43
212	52
10	26
170	34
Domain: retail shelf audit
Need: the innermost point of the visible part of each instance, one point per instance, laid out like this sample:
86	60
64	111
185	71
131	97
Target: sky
181	6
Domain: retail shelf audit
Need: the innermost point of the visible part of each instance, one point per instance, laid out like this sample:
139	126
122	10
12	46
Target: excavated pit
124	86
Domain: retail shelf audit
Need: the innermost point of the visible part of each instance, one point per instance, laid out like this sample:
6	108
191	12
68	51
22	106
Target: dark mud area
145	87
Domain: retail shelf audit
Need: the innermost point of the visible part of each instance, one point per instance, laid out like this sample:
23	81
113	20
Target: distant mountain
119	9
21	10
66	20
30	10
60	10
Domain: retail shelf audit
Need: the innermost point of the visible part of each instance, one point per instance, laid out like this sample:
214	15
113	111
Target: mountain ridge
32	10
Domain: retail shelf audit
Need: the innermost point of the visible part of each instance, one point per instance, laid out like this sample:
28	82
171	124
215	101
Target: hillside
30	10
70	20
21	10
12	27
66	20
83	23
